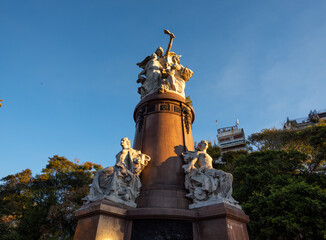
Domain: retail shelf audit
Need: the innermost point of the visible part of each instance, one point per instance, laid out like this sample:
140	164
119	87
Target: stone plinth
104	220
221	221
163	131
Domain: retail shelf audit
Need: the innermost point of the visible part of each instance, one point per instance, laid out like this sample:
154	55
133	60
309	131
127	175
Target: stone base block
221	221
104	220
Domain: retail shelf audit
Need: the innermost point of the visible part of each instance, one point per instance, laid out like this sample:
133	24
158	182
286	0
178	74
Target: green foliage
310	141
294	211
15	193
7	233
257	170
188	101
229	160
43	207
268	139
282	200
214	151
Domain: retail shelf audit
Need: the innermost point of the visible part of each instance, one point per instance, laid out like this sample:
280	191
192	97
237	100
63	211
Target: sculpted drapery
163	72
121	182
206	185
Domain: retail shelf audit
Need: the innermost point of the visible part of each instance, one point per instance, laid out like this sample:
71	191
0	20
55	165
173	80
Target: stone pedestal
105	220
222	222
163	131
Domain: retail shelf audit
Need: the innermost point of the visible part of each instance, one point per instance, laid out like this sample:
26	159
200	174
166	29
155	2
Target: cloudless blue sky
68	70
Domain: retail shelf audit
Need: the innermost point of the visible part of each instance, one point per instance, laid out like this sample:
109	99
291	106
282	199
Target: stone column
163	131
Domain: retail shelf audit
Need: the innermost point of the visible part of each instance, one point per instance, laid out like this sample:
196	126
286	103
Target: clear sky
68	70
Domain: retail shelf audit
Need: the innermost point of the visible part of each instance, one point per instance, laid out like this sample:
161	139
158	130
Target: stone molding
152	104
110	208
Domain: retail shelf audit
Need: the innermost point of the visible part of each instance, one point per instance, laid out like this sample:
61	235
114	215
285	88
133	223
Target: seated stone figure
206	185
121	182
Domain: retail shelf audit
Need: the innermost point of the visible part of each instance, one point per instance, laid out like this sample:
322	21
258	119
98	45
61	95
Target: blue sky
68	70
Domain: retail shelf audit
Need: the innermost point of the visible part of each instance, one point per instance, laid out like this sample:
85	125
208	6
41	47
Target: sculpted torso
206	184
204	160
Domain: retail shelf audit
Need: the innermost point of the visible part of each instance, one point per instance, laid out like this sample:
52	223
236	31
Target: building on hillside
231	138
313	118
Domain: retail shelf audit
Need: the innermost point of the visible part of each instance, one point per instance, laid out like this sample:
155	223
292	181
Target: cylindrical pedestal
163	131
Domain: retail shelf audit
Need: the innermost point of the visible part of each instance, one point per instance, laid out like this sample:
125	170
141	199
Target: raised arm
170	42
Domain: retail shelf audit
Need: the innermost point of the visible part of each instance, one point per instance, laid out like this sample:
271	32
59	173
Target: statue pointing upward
163	72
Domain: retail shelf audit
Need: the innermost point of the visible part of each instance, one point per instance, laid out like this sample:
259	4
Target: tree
282	200
228	160
43	207
310	141
15	198
255	171
295	211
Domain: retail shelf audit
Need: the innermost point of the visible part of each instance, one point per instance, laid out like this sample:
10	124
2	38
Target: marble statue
162	72
121	182
206	185
152	71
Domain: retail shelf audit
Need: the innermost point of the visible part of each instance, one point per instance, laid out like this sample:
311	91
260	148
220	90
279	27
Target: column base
105	220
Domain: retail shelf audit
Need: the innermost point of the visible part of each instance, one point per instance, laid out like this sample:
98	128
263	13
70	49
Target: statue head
153	56
203	145
125	143
159	52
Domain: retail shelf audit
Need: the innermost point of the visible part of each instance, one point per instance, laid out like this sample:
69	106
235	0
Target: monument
162	188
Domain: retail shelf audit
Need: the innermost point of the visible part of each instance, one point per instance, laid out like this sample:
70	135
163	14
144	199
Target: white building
231	138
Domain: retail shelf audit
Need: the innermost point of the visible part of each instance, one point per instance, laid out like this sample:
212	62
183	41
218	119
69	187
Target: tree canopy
43	207
282	186
310	141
